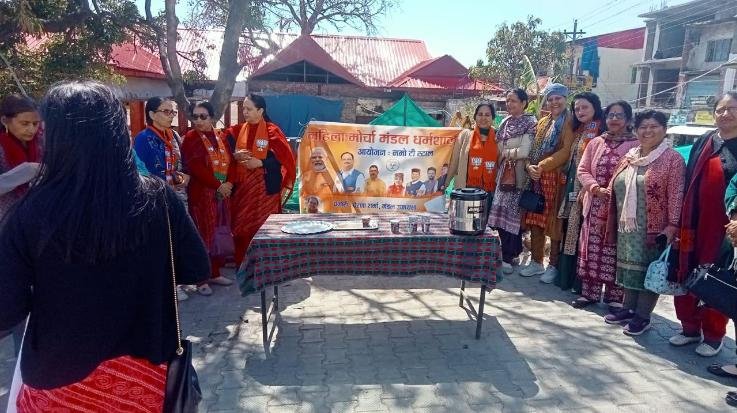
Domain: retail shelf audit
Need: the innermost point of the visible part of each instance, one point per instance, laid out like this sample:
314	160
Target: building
604	64
367	74
689	57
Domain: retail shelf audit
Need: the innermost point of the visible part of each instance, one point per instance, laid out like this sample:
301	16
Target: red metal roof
443	72
632	39
136	61
304	48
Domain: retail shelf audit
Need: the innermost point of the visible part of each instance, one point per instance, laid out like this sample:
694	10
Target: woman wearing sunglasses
206	157
157	146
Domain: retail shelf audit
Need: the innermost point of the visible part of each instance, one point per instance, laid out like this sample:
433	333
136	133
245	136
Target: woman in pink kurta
596	259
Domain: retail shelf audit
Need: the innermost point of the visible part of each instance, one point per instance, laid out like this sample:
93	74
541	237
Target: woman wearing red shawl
206	158
20	154
263	173
711	165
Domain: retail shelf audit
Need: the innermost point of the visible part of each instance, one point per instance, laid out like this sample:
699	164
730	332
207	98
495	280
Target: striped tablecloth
275	257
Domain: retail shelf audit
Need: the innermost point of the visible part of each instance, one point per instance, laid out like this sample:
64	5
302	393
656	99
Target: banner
371	168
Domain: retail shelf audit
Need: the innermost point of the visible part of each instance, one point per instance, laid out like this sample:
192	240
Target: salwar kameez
598	270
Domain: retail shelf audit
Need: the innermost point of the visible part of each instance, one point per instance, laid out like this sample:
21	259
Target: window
633	78
718	50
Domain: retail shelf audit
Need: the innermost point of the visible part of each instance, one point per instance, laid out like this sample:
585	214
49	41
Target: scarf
172	156
259	146
547	131
218	157
628	218
15	153
512	127
623	137
482	166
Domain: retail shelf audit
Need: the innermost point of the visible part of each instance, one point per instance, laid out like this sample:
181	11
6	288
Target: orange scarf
171	152
259	147
482	161
218	157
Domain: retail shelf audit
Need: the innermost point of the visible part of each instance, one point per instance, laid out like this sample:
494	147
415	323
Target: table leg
276	299
463	291
480	312
264	316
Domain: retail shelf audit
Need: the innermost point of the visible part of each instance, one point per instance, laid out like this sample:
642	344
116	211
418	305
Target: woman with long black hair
86	253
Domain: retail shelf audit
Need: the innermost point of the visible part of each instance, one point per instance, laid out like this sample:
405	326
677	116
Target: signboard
370	168
704	117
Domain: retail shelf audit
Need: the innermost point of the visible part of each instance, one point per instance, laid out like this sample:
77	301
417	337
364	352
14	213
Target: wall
615	74
697	55
137	88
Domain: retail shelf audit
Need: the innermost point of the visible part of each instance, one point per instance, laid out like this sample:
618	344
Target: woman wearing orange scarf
263	173
475	153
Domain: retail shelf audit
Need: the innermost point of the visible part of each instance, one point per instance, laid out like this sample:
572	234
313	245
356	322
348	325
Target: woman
206	157
263	173
20	154
514	141
475	153
157	147
587	123
596	259
550	151
93	272
644	211
712	164
730	201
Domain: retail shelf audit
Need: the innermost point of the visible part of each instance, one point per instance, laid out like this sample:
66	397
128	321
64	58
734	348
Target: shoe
549	275
637	326
718	369
681	339
622	316
507	268
535	268
731	398
204	289
581	302
614	308
707	349
181	295
220	280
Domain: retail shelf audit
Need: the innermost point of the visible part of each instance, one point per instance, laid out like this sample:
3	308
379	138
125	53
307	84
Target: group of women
615	196
600	182
232	179
120	234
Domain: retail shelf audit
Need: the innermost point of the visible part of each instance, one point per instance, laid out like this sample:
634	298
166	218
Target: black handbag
182	393
532	201
716	286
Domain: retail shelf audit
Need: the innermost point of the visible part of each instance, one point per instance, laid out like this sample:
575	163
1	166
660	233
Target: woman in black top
86	253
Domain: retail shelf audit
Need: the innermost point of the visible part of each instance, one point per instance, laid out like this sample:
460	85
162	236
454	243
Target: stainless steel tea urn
468	211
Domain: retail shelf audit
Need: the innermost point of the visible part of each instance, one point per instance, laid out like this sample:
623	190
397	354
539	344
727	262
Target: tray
354	226
307	227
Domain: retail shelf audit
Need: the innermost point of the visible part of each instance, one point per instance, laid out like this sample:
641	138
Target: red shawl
704	215
16	153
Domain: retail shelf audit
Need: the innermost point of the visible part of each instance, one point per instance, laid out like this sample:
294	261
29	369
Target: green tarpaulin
405	113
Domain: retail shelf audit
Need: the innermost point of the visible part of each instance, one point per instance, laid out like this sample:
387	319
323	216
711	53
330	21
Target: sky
463	28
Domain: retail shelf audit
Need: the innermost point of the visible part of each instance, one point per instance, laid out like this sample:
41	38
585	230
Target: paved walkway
361	344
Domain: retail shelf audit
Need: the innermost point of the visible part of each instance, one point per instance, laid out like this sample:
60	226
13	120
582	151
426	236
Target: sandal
717	369
581	302
731	398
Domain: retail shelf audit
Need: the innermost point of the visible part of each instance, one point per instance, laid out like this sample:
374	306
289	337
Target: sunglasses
615	115
201	116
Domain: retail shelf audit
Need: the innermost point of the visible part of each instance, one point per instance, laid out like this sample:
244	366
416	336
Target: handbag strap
665	254
180	349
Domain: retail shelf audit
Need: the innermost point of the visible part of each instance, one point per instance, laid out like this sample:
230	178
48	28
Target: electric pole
573	35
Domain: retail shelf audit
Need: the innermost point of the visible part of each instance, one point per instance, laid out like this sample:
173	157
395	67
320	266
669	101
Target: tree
73	39
506	50
245	24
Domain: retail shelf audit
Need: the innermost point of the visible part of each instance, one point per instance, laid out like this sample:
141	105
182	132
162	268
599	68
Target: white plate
307	227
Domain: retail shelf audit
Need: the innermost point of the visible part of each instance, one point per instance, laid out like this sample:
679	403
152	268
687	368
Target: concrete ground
365	344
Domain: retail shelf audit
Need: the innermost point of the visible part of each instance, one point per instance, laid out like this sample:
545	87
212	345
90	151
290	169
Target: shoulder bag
182	393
